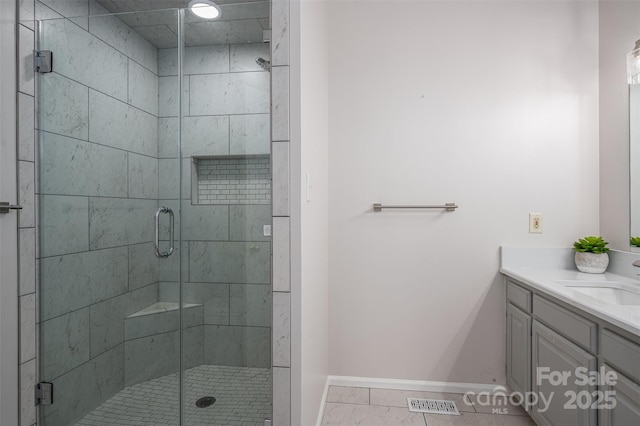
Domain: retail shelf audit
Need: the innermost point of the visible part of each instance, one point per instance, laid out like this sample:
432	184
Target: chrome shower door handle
163	255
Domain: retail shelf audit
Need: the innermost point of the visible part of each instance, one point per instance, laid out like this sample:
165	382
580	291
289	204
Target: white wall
493	105
314	255
619	29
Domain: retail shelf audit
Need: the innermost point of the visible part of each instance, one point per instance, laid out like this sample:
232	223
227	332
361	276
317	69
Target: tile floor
243	398
348	406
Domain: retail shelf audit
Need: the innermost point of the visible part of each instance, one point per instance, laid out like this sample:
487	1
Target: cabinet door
518	349
626	393
558	356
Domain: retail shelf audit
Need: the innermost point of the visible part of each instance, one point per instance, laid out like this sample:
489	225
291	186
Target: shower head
264	64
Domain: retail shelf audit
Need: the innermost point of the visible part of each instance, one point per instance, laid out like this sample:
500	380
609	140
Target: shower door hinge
44	393
42	61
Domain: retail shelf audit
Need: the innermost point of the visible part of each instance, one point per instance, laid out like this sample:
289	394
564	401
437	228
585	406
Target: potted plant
635	241
591	255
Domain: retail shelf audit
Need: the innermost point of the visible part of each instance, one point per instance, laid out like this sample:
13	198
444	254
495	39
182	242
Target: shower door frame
40	130
285	30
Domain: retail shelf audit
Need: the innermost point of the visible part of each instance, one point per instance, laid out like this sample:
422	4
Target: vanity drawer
621	353
571	325
518	296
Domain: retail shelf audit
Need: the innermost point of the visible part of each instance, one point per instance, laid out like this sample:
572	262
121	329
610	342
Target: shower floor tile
243	398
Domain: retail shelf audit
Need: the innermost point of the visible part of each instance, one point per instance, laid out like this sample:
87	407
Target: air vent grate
433	406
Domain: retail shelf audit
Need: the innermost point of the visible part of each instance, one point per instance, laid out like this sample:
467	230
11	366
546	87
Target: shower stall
154	197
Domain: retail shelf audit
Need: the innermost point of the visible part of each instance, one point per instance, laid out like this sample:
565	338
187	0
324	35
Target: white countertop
544	279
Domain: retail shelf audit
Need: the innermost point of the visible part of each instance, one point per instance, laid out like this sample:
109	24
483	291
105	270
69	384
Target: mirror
634	165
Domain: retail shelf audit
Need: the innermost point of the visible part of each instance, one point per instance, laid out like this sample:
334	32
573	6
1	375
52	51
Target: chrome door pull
5	207
163	255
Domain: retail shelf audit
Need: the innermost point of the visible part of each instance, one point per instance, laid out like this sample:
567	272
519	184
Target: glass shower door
109	335
155	212
226	214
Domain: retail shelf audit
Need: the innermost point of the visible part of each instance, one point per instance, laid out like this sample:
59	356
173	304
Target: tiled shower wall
27	216
281	210
226	257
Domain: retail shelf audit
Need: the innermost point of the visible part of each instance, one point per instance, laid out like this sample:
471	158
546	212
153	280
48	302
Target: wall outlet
535	223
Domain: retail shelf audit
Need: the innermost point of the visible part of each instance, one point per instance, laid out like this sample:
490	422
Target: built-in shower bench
155	330
161	317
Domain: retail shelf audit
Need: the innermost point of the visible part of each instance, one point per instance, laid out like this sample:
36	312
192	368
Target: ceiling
156	20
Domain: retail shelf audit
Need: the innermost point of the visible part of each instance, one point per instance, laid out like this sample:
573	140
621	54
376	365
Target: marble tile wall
281	211
226	257
281	206
27	232
98	162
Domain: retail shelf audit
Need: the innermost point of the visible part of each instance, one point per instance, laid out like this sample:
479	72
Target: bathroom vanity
573	343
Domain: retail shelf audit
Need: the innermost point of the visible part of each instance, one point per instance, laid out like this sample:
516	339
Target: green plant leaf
592	244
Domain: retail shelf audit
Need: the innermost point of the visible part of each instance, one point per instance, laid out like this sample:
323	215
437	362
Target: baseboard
414	385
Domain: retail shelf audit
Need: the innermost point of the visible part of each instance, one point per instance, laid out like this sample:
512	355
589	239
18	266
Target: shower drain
205	401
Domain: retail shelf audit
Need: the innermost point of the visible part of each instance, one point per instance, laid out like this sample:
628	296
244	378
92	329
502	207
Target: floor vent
433	406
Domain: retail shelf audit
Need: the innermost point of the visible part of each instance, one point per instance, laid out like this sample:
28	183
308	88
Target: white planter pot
592	263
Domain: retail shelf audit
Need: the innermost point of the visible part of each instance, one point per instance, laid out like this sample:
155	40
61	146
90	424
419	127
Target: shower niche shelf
231	179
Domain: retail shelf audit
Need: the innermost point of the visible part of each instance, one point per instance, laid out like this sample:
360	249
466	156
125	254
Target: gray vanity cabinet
626	394
518	349
558	338
621	356
558	354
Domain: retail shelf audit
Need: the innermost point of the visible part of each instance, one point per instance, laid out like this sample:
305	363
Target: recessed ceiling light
204	9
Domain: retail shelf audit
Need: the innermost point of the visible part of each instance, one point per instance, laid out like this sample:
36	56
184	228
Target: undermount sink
610	292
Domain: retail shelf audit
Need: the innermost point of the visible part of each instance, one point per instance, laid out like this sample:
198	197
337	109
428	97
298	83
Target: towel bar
450	207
